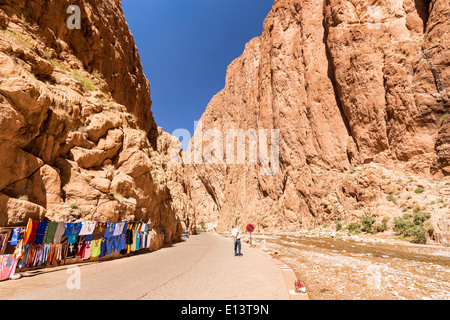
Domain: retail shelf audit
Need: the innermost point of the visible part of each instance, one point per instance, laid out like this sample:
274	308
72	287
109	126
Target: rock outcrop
351	86
78	139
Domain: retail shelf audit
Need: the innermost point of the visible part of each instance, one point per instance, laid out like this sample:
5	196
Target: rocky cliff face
359	93
78	139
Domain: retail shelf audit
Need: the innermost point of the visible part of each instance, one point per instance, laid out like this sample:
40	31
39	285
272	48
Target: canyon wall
78	139
358	91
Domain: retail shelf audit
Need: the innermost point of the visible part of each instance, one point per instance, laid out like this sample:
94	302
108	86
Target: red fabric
30	232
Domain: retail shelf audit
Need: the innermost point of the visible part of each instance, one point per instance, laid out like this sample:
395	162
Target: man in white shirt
237	241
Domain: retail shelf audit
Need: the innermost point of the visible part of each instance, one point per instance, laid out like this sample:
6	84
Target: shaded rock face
349	85
77	137
104	33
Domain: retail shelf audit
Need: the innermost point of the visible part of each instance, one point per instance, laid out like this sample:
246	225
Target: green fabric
50	232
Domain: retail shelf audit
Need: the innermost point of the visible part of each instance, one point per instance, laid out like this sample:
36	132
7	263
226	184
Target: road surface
201	267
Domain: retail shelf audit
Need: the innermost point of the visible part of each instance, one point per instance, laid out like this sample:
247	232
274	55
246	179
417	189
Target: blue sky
185	48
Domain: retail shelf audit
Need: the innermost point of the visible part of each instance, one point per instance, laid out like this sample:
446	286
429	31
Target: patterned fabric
8	265
88	227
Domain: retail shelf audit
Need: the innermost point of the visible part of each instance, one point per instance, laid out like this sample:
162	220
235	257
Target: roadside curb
288	273
290	278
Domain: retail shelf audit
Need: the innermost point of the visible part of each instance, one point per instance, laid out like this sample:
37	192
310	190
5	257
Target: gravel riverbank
362	266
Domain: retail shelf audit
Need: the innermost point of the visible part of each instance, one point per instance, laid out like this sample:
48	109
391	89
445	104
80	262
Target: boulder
122	184
88	158
101	184
101	123
15	212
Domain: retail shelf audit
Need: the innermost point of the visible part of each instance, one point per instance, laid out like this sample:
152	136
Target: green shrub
444	118
59	65
354	227
73	205
87	84
338	225
418	234
419	190
429	228
390	197
412	226
97	74
380	227
23	197
403	226
367	223
420	217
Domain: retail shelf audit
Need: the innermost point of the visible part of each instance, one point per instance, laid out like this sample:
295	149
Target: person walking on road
237	241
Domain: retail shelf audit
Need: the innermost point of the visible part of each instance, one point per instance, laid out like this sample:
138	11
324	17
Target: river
362	267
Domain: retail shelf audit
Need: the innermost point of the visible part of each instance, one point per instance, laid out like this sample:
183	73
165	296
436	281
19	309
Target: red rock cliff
358	91
77	137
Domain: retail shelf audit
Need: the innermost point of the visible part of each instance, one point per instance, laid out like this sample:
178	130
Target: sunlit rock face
356	89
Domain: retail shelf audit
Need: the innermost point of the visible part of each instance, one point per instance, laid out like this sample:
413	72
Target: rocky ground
360	267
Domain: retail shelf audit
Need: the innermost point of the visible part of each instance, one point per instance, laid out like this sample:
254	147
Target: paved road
198	268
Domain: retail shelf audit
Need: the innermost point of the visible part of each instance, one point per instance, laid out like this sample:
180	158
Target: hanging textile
19	250
4	236
99	230
60	229
119	228
44	243
109	232
40	232
87	250
17	234
87	228
8	265
96	247
31	230
50	232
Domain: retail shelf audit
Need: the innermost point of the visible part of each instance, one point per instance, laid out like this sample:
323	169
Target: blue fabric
72	228
109	246
109	232
117	244
40	233
15	236
125	226
138	239
103	249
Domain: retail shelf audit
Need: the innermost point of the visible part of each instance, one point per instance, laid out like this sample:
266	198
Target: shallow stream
362	267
